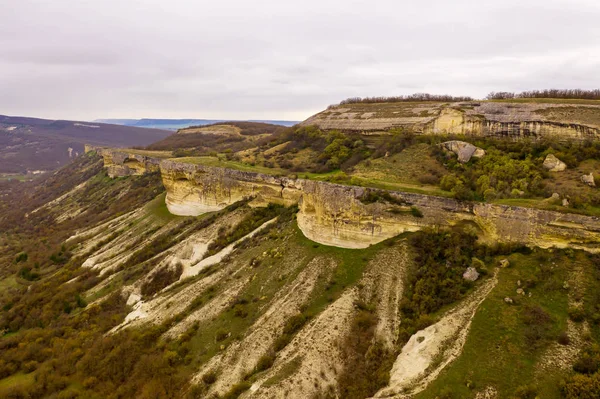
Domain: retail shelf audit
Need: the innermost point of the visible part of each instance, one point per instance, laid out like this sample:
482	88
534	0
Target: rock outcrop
494	119
553	164
589	180
471	274
463	150
121	163
194	189
356	217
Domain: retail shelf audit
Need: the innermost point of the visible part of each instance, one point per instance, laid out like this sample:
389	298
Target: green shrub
237	390
526	392
21	257
416	212
265	362
582	387
210	377
577	314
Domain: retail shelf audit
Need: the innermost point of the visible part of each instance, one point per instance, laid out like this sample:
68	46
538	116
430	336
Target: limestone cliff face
121	163
195	189
338	215
493	119
453	121
333	214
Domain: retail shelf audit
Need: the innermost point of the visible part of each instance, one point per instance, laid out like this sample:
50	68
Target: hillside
238	301
176	124
30	144
244	260
204	139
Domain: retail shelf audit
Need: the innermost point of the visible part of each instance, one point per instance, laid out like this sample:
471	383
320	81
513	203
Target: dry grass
216	129
405	167
579	115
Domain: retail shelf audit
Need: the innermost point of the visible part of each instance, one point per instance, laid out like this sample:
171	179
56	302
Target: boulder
554	164
465	151
589	180
504	263
565	202
508	300
471	274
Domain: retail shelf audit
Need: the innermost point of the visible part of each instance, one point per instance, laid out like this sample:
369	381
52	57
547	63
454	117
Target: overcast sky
278	59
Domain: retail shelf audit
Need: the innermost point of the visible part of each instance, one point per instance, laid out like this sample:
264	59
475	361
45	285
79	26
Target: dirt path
430	350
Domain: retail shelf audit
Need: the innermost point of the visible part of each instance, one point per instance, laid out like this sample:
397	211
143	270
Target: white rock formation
554	164
465	151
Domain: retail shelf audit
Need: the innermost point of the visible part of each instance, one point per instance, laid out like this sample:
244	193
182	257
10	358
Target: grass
8	282
547	101
496	352
148	153
158	208
261	285
221	162
541	203
336	176
286	371
269	277
18	177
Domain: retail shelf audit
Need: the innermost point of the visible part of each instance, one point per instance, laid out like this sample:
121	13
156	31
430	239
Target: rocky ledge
489	119
121	163
351	216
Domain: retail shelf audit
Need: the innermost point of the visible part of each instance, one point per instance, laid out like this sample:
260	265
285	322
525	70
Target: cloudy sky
279	59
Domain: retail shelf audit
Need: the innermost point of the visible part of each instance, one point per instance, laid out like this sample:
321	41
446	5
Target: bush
577	314
416	212
526	392
210	377
221	335
237	390
163	277
582	387
538	325
265	362
563	338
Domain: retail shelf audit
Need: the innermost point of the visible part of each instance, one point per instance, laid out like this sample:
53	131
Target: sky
280	59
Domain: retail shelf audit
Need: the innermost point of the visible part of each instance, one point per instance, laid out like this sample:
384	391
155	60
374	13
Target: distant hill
233	136
29	144
175	124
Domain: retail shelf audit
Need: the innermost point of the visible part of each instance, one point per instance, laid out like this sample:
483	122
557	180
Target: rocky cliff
356	217
494	119
194	189
121	163
350	216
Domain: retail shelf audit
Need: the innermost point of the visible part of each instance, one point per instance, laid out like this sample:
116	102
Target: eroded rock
465	151
589	180
471	274
553	164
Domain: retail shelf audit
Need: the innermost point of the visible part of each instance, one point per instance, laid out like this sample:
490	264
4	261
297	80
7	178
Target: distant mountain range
32	144
175	124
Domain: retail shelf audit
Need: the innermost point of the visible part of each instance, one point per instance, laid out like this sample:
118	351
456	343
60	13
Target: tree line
548	93
407	98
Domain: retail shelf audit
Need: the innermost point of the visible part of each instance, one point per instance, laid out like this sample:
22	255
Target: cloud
277	59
